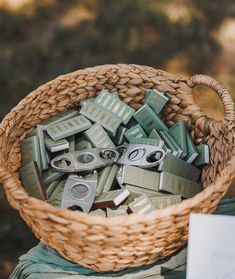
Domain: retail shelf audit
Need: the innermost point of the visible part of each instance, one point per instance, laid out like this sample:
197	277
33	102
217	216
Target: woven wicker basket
120	242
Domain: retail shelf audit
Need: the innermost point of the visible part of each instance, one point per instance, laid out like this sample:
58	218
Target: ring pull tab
79	192
85	160
145	156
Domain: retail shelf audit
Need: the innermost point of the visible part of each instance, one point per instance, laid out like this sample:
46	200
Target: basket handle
224	95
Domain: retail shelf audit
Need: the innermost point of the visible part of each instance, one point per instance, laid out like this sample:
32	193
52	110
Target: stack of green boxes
107	122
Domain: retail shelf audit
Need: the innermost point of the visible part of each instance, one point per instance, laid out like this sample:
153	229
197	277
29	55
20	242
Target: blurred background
40	40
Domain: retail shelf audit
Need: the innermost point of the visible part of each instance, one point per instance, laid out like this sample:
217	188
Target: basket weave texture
127	241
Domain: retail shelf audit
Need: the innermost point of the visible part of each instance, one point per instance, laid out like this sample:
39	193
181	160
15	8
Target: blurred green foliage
47	38
36	43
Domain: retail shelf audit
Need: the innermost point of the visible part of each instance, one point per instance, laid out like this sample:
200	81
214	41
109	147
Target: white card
211	247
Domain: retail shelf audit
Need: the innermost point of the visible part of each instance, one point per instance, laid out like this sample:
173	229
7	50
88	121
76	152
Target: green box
120	138
119	211
98	137
174	146
32	181
42	147
111	198
71	141
203	155
68	127
110	179
100	115
137	191
102	177
140	177
169	145
148	141
178	185
178	132
155	135
136	132
56	146
179	167
98	212
141	205
111	103
30	151
56	195
164	201
59	117
192	150
156	100
148	119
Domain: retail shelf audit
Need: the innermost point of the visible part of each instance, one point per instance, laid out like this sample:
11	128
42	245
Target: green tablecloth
42	262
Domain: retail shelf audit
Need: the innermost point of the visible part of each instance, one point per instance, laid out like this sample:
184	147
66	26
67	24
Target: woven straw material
127	241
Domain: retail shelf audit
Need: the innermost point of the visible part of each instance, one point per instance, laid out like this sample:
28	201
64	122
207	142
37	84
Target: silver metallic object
119	176
85	160
142	155
79	192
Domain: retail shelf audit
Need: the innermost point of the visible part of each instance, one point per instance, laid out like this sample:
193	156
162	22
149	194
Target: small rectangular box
203	155
119	176
115	105
137	191
155	135
140	177
56	196
179	167
148	119
141	205
102	177
113	93
71	141
135	132
178	132
98	212
148	141
106	119
192	150
30	151
59	117
98	137
85	102
42	148
161	202
120	138
112	198
110	179
173	145
178	185
32	181
119	211
156	100
68	127
169	147
56	146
